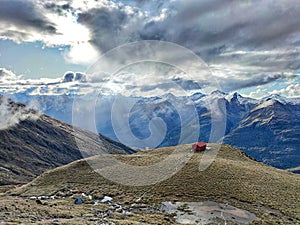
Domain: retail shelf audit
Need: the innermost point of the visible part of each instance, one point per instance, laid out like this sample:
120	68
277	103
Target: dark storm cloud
267	32
25	15
255	39
184	84
60	9
110	26
253	80
208	27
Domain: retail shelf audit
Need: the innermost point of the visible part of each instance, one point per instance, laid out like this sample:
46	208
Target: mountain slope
233	178
275	143
31	143
270	133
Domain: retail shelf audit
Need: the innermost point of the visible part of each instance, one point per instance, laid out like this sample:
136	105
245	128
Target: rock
128	213
78	200
109	213
39	202
119	210
167	219
96	202
106	199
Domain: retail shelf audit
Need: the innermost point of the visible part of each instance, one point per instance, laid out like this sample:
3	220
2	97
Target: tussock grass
234	178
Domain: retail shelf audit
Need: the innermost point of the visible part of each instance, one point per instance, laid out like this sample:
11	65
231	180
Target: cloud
71	77
82	53
232	84
53	24
292	90
20	18
70	82
143	84
11	114
259	39
112	24
207	27
246	43
7	75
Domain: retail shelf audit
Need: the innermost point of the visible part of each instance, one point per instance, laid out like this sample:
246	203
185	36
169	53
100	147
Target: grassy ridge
233	178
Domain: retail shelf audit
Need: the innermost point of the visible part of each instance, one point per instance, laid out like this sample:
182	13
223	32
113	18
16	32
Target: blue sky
34	60
252	47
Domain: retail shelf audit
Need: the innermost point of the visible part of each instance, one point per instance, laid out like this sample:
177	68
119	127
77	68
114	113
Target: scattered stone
38	201
119	210
106	199
78	200
128	213
96	202
109	213
44	197
167	219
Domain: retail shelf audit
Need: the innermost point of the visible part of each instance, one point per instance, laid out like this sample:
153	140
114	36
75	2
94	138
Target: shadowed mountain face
270	133
31	143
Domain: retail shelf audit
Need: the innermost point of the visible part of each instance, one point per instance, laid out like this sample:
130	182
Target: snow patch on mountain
273	99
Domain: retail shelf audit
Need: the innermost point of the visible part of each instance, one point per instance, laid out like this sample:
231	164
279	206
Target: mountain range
266	129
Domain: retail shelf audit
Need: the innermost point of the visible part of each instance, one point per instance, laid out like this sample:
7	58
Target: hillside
31	143
232	179
270	133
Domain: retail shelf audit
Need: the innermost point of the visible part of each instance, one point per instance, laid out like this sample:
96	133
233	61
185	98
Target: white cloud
259	93
82	53
11	115
7	75
292	90
246	43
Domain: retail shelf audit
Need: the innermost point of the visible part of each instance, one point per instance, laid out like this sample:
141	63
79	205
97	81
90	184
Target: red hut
199	146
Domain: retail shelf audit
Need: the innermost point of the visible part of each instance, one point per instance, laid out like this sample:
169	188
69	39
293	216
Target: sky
252	47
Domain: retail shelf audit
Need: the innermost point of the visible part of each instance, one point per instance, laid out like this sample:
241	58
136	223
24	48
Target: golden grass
233	178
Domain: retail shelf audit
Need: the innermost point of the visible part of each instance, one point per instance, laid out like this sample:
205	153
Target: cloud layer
142	84
245	43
